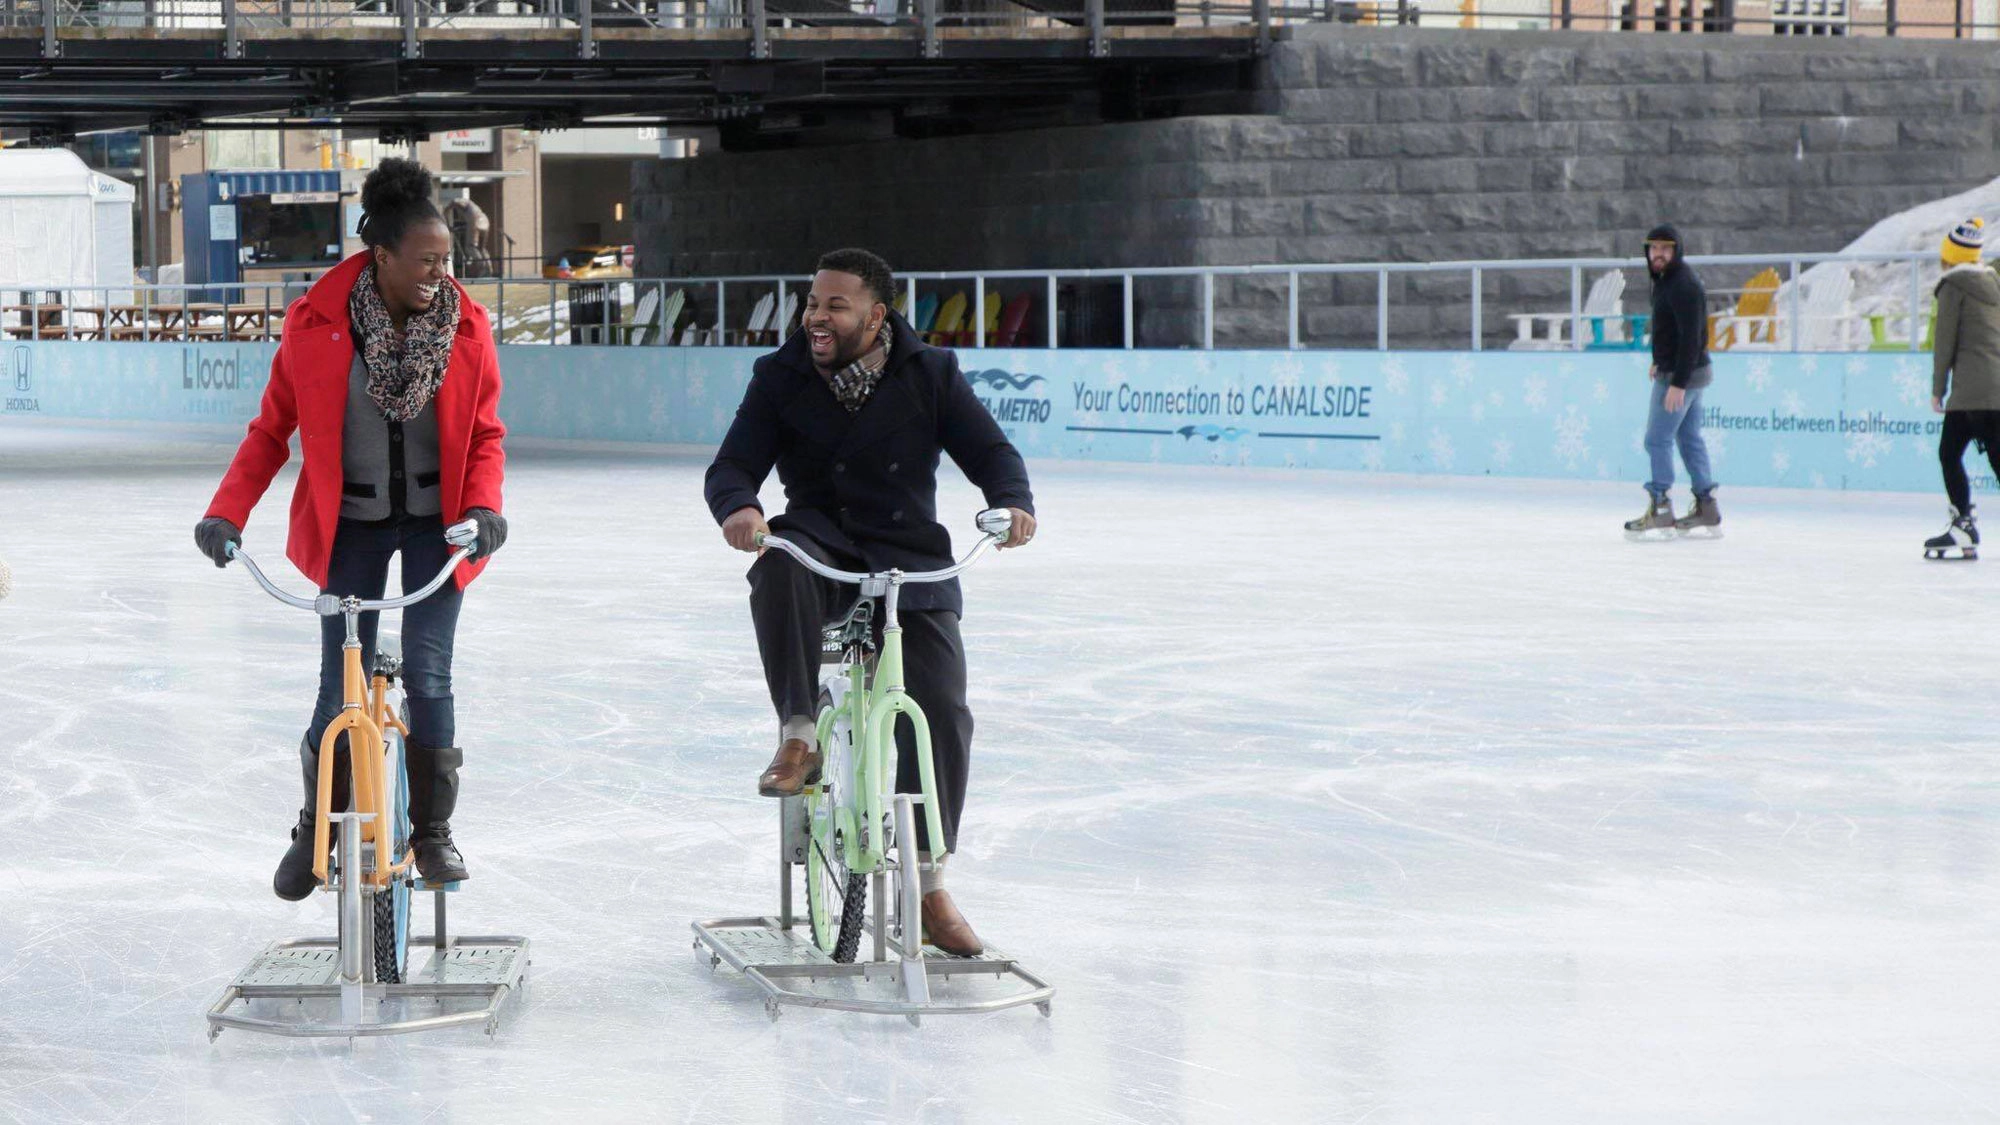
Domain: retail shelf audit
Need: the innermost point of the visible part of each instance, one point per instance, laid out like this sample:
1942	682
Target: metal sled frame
778	954
343	968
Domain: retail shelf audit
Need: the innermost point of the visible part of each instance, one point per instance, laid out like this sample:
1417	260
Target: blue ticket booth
259	227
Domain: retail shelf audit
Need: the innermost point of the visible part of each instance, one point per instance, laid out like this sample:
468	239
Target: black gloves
214	535
492	530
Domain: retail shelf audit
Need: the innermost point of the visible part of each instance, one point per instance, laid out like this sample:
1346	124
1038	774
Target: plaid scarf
854	383
404	368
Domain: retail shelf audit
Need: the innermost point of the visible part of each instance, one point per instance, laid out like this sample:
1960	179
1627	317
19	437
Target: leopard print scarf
404	368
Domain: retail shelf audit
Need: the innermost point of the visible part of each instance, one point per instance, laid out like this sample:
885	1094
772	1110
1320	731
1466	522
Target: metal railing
925	21
1412	305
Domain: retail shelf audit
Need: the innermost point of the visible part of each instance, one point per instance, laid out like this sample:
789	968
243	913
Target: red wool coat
308	393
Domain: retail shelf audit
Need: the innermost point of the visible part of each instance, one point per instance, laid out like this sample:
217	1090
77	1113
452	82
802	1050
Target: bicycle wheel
392	906
835	897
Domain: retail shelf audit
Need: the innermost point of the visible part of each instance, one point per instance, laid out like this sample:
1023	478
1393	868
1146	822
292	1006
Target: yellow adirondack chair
1754	321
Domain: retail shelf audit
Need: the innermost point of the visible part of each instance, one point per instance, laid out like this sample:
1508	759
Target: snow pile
1884	287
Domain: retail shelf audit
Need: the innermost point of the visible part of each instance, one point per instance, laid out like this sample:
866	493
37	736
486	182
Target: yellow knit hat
1963	245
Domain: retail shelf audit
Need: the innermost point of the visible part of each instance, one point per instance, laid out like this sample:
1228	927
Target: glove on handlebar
214	535
492	530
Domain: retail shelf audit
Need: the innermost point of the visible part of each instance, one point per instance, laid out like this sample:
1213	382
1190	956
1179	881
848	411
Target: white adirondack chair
1825	317
1605	300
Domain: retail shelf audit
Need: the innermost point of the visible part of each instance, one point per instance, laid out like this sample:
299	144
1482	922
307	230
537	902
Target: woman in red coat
387	370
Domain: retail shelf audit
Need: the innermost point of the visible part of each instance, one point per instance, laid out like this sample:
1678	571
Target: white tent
62	225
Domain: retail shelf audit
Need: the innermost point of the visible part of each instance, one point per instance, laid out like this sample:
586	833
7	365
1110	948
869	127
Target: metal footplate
778	955
482	969
475	974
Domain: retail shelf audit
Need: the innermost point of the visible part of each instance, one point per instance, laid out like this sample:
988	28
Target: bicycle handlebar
995	522
461	535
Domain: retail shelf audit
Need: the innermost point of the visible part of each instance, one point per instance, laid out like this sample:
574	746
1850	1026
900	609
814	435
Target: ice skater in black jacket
1679	372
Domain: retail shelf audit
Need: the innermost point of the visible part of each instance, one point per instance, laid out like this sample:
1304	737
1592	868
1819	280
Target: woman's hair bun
394	185
394	196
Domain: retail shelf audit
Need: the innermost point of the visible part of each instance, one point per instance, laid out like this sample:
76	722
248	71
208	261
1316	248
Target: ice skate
1656	524
1703	521
1960	541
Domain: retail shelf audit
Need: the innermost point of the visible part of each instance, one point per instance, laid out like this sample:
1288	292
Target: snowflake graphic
1437	394
1462	369
1603	470
658	413
1866	447
1911	388
1479	412
1535	392
1396	432
1601	392
1442	453
1566	368
1286	372
1371	458
1495	399
1856	366
1395	377
1792	403
1818	479
1758	378
1809	364
1503	453
1781	461
1572	428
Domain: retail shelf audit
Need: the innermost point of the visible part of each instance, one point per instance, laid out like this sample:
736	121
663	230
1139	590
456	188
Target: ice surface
1318	797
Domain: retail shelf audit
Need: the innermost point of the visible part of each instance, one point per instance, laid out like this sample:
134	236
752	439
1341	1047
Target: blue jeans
1666	428
360	566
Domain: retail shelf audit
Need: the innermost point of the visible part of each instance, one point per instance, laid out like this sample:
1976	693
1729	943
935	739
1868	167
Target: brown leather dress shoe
946	928
795	767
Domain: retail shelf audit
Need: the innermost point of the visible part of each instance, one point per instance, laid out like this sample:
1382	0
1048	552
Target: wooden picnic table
46	321
251	322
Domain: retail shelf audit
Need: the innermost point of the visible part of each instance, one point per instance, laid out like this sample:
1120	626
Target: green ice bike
854	822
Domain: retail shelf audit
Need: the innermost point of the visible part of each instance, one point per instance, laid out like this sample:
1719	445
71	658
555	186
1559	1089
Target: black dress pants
791	606
1962	428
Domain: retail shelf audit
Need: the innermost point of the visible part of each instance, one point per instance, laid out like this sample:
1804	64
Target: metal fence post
760	32
1382	310
1798	326
1094	17
586	29
51	48
721	313
1575	308
1293	313
1052	312
1208	312
411	48
927	14
1916	295
1128	308
232	42
1475	308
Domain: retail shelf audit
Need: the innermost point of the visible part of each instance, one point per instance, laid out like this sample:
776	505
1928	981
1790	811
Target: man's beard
847	349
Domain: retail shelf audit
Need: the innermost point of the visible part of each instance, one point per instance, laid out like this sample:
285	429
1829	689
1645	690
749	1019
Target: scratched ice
1318	797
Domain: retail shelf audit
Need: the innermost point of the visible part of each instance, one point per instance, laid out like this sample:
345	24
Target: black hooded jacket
1680	317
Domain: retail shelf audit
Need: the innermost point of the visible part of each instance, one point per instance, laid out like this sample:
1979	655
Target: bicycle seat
854	628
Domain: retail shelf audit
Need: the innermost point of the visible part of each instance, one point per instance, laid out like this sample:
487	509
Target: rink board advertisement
1828	420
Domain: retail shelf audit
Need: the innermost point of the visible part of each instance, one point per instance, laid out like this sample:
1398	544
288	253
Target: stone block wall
1385	145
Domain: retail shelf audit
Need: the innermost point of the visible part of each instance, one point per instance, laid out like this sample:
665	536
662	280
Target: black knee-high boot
433	797
294	879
